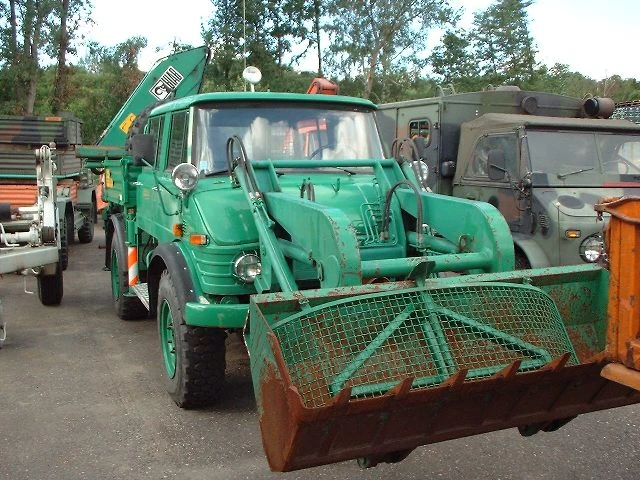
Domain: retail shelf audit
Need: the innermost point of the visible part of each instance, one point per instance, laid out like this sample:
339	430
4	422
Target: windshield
571	154
283	132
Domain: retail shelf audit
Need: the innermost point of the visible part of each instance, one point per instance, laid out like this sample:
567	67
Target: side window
478	167
420	128
177	140
155	128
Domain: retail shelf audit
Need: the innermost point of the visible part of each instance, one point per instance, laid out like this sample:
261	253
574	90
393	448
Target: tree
370	37
30	29
25	30
504	48
454	62
71	14
264	30
102	82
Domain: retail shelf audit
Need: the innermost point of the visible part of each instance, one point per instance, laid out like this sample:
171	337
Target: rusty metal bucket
373	372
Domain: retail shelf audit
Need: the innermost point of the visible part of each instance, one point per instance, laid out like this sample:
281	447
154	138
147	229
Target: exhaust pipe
598	107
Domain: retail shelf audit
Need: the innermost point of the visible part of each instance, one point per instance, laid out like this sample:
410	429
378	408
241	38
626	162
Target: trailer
76	186
30	236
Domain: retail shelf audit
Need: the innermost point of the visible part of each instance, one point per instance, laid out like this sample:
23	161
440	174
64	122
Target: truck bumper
215	315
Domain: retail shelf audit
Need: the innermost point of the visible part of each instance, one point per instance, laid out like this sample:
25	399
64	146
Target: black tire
3	332
522	262
50	288
198	360
64	240
127	307
85	233
69	219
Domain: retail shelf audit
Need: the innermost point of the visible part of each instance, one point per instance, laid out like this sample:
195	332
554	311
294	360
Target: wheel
522	262
3	332
69	220
128	307
193	357
85	233
65	225
50	287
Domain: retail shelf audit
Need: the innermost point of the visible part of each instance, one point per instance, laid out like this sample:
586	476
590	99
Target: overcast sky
595	38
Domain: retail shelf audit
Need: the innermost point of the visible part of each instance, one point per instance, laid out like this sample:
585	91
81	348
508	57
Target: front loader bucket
359	373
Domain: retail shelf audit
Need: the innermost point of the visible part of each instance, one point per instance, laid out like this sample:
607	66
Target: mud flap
374	376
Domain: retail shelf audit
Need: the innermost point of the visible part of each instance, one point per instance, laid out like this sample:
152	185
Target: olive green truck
552	158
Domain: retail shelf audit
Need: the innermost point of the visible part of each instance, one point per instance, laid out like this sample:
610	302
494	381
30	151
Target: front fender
170	257
535	255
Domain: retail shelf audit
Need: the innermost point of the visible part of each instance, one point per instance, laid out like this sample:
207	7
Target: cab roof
220	97
490	121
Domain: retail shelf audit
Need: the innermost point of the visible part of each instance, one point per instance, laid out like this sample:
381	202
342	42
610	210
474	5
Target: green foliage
370	39
503	46
267	37
375	49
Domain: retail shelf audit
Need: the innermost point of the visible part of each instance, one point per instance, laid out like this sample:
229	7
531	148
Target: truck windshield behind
283	132
563	155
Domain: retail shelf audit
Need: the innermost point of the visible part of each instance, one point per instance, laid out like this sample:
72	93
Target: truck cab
538	158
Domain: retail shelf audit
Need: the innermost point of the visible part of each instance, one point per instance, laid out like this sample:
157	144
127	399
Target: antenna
244	39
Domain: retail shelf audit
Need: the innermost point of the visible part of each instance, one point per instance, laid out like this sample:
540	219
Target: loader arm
353	370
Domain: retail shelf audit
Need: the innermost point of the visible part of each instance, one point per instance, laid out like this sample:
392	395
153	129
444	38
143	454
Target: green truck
279	215
554	158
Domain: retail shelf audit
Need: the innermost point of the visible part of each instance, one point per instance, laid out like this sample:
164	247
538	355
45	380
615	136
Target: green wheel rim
167	339
115	274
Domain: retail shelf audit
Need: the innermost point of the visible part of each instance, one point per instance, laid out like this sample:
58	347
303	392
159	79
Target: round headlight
185	177
592	248
247	267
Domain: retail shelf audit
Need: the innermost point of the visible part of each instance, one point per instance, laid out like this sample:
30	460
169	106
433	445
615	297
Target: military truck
76	186
552	158
279	215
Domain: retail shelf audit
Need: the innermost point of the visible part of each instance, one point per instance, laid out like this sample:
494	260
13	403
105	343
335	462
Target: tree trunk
316	26
373	61
60	86
14	46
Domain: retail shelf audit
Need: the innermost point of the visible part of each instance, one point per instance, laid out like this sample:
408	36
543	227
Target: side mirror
497	165
143	148
448	169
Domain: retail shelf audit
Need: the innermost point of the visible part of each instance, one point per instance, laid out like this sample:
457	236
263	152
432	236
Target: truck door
421	121
158	201
475	183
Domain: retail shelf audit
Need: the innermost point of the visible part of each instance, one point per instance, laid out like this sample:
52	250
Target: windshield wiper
564	175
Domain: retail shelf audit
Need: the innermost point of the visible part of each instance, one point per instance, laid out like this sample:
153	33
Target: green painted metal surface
370	340
215	315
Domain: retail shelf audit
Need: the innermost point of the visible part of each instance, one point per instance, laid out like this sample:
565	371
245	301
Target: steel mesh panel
372	342
631	111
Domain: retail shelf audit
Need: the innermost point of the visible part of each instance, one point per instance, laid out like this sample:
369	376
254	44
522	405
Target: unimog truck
378	316
552	160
